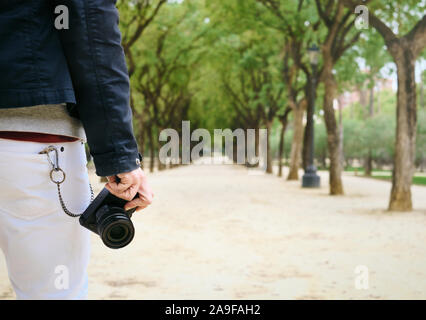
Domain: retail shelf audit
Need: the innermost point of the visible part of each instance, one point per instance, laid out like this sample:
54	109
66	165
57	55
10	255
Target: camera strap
57	176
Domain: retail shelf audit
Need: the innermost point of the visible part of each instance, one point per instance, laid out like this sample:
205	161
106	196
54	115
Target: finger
139	208
120	187
128	194
134	203
138	202
115	193
146	196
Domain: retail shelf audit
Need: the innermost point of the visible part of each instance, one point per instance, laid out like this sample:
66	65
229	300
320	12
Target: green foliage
219	63
421	136
402	15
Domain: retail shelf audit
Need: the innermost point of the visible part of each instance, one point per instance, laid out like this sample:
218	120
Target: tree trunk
400	199
368	161
268	147
280	152
151	149
362	97
309	126
333	137
368	165
281	146
296	146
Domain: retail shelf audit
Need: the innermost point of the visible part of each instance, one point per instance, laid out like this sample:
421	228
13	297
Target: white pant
46	251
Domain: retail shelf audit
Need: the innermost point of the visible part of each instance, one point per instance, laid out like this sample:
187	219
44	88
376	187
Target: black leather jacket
83	66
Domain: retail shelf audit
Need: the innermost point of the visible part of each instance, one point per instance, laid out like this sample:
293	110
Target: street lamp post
310	179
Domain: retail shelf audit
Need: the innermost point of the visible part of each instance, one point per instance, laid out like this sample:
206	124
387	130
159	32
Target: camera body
106	217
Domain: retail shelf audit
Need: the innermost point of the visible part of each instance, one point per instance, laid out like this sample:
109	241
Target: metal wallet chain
57	169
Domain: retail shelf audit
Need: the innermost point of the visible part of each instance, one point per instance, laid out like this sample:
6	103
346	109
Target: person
58	89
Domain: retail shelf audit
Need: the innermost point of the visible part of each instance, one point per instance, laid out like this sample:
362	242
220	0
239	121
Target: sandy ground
216	232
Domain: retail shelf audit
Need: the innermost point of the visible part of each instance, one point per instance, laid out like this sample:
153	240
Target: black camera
106	217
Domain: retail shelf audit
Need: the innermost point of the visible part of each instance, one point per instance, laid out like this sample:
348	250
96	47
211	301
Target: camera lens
115	228
117	233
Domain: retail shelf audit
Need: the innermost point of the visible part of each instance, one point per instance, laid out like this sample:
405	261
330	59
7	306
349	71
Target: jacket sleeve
96	61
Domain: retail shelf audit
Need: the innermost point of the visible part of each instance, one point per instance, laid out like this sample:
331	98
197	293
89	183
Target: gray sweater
52	119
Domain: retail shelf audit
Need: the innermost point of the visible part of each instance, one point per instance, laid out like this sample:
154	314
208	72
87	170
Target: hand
129	185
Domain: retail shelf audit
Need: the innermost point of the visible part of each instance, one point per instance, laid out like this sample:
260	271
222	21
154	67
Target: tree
375	58
256	97
135	17
164	74
297	103
404	50
339	24
289	19
250	66
284	121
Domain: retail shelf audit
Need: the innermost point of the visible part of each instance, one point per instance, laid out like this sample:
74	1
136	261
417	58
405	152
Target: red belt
35	137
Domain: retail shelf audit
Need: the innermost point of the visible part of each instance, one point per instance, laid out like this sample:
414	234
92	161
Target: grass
419	180
361	170
387	175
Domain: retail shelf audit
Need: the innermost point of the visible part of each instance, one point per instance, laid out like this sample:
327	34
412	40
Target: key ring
56	168
55	165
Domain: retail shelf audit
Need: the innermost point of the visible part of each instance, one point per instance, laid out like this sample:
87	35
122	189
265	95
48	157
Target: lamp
313	53
311	179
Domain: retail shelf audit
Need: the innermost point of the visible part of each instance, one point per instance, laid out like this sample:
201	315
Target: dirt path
215	232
